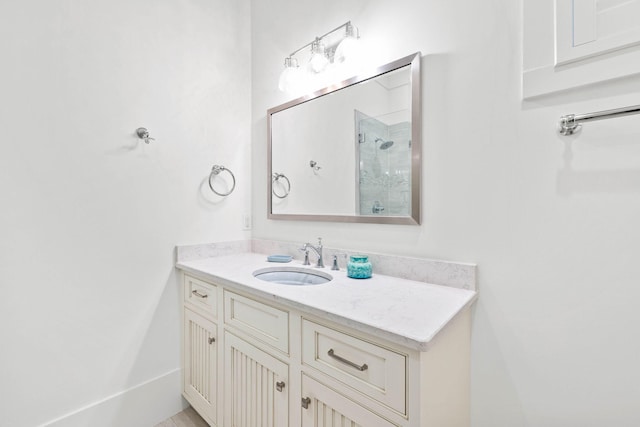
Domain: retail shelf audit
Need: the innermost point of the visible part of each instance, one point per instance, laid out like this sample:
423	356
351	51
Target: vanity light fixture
325	52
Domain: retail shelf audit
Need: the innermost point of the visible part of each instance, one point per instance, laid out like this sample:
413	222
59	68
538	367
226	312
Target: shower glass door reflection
383	164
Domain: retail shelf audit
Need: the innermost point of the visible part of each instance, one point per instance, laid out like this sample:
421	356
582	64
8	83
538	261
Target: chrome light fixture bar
333	47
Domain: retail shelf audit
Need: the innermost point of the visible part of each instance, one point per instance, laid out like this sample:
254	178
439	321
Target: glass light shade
347	50
283	81
318	62
290	79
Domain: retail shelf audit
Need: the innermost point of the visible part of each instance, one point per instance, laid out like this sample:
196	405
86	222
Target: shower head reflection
385	144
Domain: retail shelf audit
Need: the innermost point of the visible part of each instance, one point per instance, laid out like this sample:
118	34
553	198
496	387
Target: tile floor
186	418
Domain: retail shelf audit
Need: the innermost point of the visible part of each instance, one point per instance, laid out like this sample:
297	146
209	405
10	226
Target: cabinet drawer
263	322
201	295
369	368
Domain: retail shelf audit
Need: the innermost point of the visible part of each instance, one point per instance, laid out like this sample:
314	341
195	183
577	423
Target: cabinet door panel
327	408
200	362
257	386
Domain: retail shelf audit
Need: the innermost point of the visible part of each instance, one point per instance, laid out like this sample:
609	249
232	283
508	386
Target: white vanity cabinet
251	362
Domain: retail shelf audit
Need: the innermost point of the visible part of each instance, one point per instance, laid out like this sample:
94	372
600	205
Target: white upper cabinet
589	28
574	43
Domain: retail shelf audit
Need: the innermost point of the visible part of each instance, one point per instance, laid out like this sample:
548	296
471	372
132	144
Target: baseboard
144	405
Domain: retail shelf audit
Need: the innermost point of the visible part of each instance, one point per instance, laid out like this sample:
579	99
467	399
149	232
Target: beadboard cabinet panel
256	384
200	364
324	407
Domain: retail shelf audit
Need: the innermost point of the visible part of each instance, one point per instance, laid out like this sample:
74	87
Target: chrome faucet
317	249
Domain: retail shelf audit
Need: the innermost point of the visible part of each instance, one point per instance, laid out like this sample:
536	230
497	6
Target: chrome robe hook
143	133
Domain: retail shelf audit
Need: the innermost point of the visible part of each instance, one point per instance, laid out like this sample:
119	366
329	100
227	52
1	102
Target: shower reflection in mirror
383	157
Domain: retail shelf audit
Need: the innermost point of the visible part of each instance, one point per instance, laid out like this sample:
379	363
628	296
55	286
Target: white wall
552	222
89	301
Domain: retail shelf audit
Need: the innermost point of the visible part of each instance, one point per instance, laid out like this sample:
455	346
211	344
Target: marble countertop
405	312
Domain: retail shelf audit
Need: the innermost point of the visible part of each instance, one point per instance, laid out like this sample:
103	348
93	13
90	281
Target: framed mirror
350	152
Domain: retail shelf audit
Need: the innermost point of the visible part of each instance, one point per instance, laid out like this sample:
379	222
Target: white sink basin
292	276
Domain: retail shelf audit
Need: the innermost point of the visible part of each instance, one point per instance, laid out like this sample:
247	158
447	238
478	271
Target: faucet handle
305	249
335	260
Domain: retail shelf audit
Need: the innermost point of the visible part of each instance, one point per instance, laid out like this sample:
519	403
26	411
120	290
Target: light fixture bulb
319	60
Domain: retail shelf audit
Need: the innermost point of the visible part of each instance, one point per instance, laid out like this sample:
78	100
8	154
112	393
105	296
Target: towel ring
276	177
216	171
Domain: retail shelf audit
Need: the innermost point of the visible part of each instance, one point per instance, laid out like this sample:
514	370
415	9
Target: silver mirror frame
416	146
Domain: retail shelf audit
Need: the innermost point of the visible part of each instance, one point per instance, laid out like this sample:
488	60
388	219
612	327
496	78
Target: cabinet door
324	407
257	386
200	364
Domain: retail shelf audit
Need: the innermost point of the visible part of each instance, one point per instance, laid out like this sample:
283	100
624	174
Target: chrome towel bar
571	123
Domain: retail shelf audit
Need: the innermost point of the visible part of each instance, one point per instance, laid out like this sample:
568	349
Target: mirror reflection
350	153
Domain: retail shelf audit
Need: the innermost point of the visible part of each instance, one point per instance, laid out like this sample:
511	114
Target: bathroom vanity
383	351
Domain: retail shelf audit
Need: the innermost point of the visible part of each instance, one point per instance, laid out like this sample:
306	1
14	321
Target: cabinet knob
280	385
212	340
305	402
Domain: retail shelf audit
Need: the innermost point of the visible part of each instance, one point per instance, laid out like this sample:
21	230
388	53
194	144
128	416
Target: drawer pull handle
280	385
212	340
360	368
199	295
305	402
